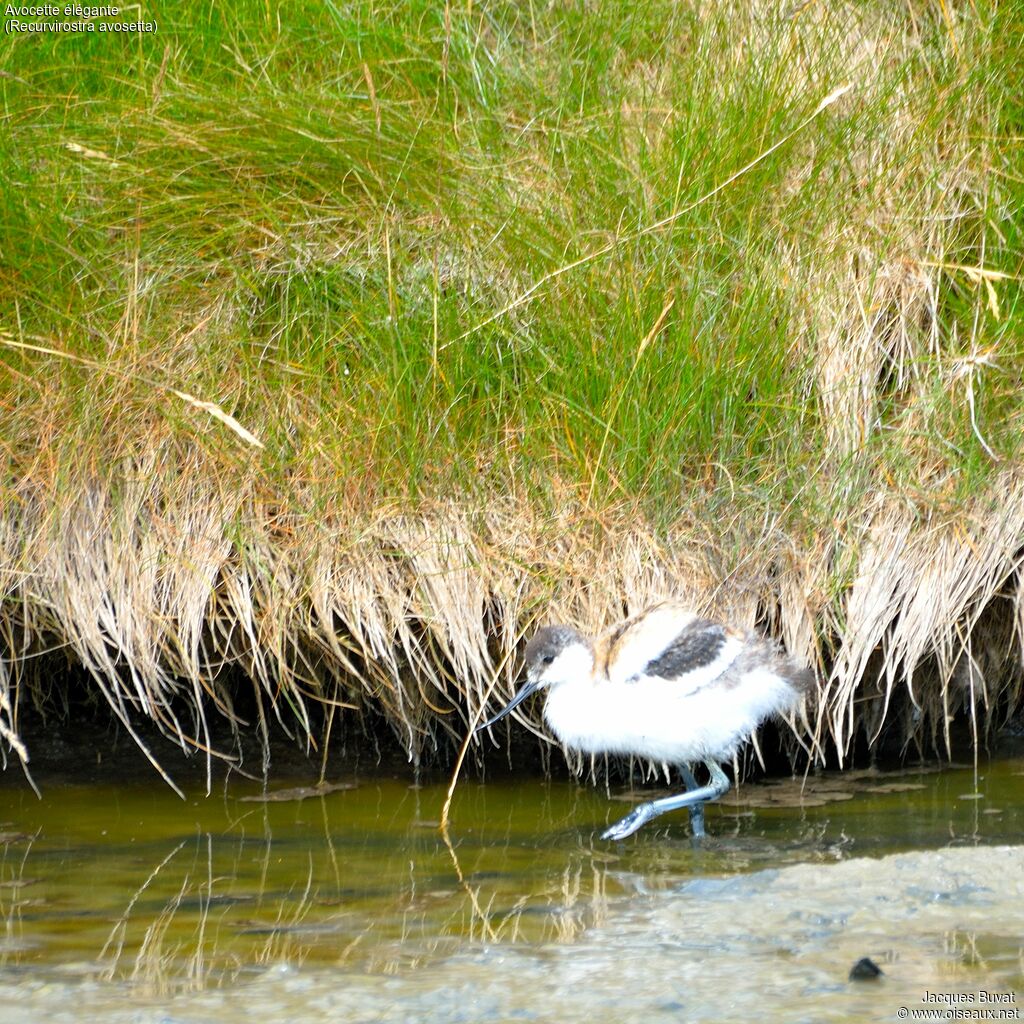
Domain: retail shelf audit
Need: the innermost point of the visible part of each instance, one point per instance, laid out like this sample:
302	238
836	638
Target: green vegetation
529	306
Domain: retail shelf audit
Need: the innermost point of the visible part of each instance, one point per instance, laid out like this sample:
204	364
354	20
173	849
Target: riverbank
339	349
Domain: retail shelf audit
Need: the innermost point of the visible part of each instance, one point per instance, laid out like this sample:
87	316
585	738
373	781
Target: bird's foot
636	819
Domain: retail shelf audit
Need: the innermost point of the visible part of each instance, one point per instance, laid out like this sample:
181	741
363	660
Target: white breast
659	719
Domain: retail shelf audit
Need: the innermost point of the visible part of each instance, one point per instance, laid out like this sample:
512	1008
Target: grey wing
698	644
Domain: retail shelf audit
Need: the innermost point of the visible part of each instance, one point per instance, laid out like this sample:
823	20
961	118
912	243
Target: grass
526	306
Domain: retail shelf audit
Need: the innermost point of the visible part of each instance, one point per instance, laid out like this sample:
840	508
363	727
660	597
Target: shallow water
125	903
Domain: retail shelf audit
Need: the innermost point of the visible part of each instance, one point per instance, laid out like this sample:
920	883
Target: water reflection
353	877
128	886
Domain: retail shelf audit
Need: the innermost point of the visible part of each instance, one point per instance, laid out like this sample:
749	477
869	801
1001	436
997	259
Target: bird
667	684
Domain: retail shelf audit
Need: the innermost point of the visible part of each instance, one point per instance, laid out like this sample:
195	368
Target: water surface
122	902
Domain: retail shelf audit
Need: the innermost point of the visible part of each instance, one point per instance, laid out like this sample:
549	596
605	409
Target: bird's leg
696	810
719	780
639	816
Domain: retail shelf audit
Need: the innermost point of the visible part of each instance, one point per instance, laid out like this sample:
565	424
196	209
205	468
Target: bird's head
555	655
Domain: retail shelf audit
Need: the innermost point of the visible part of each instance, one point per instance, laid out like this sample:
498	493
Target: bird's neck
578	663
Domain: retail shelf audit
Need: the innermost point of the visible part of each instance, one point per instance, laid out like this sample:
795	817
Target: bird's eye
547	659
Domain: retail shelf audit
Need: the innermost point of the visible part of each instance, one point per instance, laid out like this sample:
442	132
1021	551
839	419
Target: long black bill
524	691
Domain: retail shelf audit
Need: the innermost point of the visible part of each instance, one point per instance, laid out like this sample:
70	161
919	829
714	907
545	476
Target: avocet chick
666	685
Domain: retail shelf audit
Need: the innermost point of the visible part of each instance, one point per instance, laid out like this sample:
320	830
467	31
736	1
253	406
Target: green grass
351	227
265	231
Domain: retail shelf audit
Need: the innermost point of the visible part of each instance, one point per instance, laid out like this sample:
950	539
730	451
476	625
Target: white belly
652	718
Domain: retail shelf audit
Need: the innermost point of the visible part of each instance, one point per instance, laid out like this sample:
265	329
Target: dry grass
411	614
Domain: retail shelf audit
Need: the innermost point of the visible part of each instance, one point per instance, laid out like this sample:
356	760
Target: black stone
865	969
